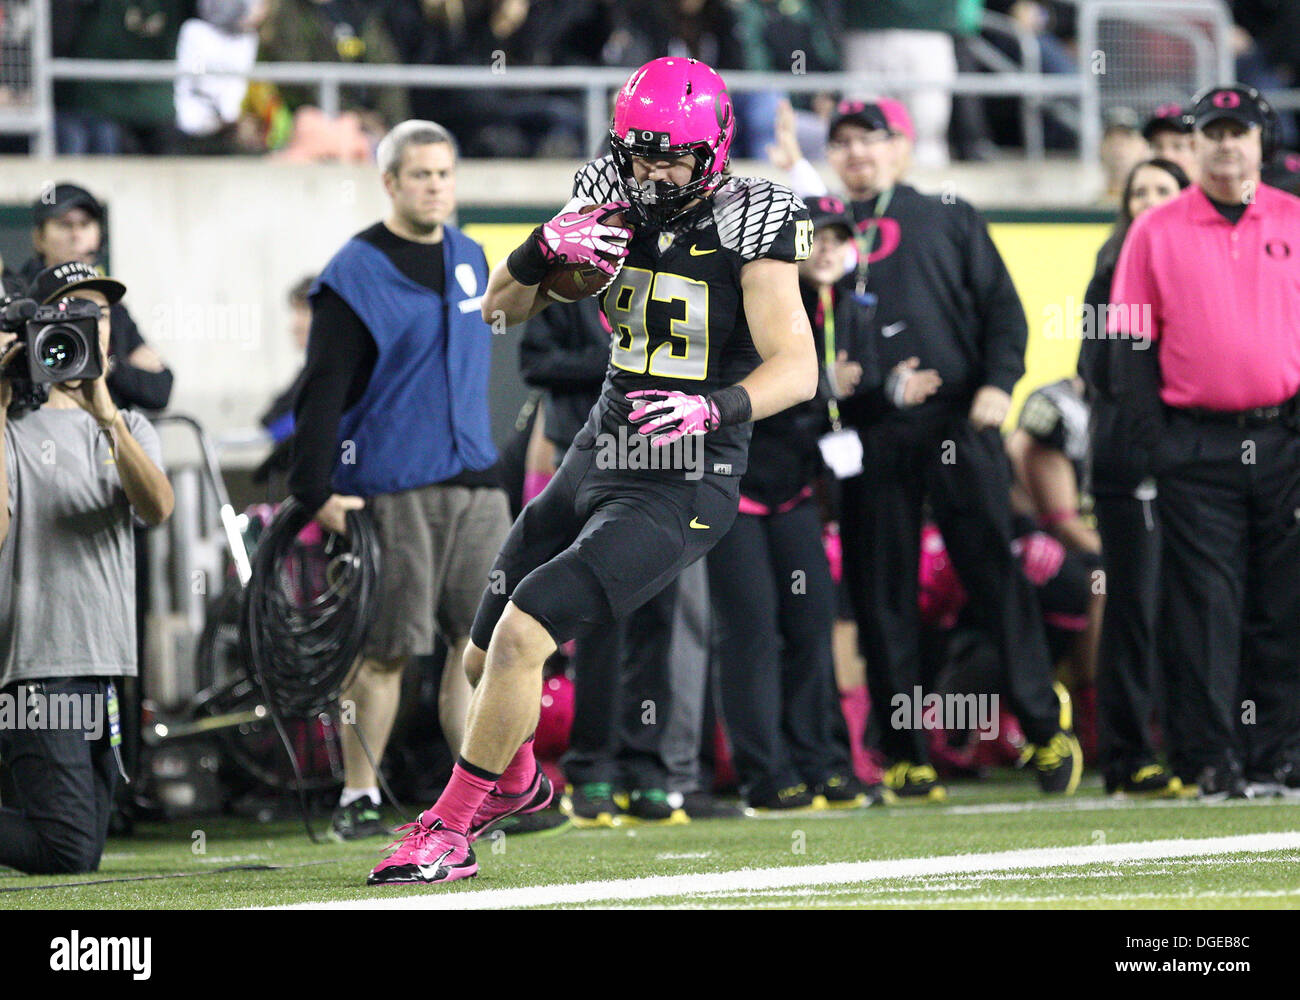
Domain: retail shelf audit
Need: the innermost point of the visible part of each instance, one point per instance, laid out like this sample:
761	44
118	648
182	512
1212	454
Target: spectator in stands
68	225
95	116
222	37
1168	132
912	38
493	34
335	31
1122	146
780	36
1266	43
1130	683
278	419
67	591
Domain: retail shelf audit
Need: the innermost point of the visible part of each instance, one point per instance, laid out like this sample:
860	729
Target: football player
710	333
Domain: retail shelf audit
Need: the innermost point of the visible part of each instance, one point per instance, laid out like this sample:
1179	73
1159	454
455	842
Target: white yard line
621	891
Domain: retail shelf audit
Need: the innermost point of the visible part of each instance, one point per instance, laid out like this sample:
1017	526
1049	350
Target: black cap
830	211
867	114
1168	118
62	198
57	282
1241	104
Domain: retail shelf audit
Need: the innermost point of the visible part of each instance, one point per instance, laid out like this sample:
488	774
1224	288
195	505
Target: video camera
62	339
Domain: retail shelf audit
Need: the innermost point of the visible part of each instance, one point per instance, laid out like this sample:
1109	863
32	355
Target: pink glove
671	415
1040	555
583	238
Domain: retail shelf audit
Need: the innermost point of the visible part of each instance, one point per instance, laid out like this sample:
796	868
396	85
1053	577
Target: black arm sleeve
127	384
1004	331
550	355
341	355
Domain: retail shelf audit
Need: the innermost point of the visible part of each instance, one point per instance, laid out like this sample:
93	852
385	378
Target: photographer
73	471
68	225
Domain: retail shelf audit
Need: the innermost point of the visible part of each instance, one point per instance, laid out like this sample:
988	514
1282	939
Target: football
571	282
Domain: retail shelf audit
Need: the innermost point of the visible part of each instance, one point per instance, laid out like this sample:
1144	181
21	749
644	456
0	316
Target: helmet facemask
659	203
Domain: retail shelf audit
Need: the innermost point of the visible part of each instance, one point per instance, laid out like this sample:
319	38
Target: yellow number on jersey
686	354
803	237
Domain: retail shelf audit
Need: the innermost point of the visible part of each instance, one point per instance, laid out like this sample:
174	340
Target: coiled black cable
305	615
308	608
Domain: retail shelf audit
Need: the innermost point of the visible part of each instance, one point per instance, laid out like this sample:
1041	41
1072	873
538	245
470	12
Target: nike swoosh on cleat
430	872
695	524
697	252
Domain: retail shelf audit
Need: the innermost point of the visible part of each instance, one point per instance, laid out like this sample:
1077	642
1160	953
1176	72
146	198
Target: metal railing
1184	21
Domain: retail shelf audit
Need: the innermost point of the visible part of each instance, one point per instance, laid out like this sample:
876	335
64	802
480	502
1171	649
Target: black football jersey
1057	416
675	306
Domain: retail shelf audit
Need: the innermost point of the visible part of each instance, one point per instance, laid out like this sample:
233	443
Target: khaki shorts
438	547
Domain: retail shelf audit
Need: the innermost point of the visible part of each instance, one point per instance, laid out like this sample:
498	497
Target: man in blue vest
393	415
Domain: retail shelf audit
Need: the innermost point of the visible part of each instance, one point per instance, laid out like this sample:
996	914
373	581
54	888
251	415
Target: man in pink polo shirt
1212	279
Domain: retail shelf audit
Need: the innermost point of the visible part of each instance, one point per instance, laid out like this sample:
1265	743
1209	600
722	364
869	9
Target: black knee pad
565	595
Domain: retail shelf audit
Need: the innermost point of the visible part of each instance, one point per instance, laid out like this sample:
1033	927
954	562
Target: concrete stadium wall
209	247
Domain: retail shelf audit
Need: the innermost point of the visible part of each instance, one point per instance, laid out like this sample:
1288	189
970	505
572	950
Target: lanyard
869	237
827	309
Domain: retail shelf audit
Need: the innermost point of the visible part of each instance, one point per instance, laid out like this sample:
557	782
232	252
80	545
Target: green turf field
883	858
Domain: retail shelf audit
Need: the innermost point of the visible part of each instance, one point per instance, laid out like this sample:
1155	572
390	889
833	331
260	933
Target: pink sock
534	483
521	770
461	798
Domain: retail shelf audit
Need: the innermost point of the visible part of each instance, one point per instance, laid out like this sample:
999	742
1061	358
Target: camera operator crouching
74	471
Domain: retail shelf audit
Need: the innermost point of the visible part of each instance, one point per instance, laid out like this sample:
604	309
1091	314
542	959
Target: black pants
1229	502
622	698
774	604
1129	685
966	476
63	784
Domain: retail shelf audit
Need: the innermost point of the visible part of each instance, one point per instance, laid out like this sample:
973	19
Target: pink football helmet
668	108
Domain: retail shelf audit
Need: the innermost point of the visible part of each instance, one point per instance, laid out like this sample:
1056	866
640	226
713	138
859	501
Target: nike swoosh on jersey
892	329
695	524
697	252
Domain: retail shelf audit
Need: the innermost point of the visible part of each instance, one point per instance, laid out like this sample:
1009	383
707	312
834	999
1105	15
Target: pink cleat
427	853
498	805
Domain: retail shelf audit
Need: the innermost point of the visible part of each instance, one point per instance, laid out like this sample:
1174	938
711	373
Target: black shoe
906	782
840	791
651	805
590	804
1283	779
1057	764
357	820
782	799
703	805
1223	781
1150	781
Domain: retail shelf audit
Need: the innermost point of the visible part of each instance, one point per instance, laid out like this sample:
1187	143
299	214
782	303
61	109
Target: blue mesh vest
424	416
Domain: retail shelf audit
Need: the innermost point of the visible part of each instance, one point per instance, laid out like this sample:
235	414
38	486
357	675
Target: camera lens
59	350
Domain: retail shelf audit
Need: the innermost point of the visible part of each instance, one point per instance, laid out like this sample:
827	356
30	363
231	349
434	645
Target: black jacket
945	296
